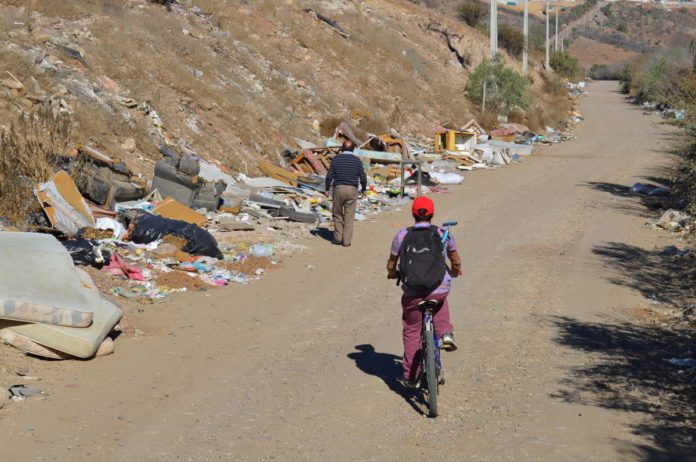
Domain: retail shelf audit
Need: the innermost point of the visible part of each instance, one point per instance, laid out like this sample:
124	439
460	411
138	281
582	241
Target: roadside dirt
555	364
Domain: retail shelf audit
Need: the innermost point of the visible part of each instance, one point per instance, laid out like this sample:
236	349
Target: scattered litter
649	190
19	392
673	220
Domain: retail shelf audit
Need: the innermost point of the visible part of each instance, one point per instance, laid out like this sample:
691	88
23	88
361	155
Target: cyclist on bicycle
423	211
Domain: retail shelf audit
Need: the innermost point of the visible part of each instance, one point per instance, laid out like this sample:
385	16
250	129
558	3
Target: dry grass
29	150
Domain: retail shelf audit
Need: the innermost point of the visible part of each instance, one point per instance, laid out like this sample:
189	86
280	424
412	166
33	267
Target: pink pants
412	321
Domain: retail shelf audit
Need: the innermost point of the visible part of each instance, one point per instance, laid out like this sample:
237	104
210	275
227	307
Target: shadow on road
642	205
387	367
632	374
661	275
323	233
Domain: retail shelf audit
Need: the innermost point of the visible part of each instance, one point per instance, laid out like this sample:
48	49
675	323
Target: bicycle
431	362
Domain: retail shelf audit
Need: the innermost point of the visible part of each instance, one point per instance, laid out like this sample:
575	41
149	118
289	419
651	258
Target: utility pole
547	62
525	51
555	48
494	28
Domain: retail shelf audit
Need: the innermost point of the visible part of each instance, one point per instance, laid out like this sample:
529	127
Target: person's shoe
335	242
408	383
346	245
448	343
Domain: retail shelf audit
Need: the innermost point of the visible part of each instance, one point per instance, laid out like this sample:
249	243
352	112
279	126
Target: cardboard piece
170	208
279	173
65	207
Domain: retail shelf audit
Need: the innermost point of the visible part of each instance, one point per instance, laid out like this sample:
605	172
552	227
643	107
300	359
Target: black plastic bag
86	252
426	179
149	228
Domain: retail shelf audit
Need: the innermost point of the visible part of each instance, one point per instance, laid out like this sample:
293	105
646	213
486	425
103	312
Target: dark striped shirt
346	169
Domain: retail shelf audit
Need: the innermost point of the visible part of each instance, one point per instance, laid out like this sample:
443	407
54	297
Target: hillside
235	81
623	31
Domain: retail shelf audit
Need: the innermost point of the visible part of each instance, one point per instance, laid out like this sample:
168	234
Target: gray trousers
345	199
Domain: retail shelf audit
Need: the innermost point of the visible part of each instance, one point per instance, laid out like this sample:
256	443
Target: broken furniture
105	180
455	141
177	176
315	160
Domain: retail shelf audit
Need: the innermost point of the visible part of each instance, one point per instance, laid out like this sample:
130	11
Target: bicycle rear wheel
431	373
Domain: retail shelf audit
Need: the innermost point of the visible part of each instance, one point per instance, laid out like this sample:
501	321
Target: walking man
345	172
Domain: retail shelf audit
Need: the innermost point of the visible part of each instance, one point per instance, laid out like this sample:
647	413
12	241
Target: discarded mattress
39	283
78	342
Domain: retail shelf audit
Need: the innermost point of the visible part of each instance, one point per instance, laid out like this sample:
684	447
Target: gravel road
302	364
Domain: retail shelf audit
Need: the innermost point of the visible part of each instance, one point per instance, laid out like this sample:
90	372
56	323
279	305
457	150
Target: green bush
511	39
659	77
537	32
626	78
565	65
622	27
606	10
606	72
473	12
505	88
576	12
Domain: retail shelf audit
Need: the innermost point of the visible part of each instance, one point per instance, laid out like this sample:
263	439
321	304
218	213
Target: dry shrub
487	120
517	116
29	150
327	125
536	120
374	125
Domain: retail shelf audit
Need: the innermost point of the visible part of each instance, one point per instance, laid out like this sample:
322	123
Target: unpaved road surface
302	364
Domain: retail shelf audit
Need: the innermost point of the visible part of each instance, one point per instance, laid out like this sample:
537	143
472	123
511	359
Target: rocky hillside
623	31
235	81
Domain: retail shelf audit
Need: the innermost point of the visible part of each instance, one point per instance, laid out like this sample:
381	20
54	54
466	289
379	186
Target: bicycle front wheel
431	373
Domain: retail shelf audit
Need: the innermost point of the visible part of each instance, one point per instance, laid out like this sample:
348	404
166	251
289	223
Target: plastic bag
149	228
262	250
86	252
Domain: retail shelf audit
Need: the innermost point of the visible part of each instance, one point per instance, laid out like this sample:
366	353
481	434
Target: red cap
423	206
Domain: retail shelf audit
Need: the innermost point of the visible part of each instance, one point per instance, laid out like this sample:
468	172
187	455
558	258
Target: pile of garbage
196	227
665	111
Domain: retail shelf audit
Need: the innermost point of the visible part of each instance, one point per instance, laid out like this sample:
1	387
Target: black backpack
422	260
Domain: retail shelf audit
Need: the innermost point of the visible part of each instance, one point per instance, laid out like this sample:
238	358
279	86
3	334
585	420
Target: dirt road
302	365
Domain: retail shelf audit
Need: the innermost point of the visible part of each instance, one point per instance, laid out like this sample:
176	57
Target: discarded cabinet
454	141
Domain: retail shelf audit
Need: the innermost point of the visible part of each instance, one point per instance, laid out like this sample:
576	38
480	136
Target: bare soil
555	360
590	52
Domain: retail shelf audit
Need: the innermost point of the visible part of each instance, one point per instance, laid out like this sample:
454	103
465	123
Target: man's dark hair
347	146
422	216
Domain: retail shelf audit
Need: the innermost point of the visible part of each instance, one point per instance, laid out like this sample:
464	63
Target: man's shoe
408	383
335	242
448	343
346	245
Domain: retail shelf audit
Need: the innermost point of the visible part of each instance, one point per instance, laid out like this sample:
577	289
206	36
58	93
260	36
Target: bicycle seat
429	304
